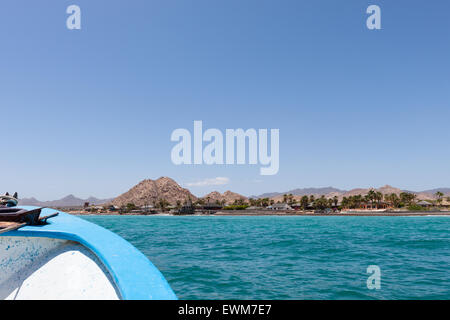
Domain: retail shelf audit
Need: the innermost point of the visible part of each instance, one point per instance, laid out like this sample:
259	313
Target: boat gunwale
134	275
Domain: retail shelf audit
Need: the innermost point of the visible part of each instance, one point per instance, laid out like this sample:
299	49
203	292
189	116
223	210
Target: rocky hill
148	192
228	197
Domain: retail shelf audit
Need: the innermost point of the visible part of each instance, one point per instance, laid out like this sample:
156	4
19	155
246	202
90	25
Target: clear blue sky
90	112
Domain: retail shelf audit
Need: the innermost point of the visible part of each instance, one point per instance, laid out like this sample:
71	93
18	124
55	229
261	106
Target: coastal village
165	196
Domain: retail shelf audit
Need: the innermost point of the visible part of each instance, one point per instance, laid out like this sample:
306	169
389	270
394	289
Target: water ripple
293	257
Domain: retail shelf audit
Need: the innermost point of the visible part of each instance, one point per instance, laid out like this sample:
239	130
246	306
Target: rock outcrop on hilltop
227	197
149	192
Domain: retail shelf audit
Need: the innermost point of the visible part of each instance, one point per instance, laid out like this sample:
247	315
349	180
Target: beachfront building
445	203
424	204
374	206
187	208
212	206
280	206
299	206
296	206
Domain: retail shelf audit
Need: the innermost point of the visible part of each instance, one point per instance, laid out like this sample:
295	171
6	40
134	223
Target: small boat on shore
66	257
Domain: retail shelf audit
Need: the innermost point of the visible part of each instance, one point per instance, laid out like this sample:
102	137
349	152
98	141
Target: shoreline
285	214
354	214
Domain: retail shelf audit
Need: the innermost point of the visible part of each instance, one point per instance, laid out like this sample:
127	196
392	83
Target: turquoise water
293	257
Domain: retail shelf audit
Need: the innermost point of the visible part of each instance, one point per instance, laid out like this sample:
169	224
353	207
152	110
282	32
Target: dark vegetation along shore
374	203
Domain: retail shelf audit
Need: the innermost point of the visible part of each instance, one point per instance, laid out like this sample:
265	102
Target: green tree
335	201
163	204
407	198
290	199
321	203
357	201
330	203
304	202
393	200
345	203
371	197
439	195
378	198
130	207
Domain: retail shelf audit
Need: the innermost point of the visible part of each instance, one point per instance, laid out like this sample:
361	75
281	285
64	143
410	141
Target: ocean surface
207	257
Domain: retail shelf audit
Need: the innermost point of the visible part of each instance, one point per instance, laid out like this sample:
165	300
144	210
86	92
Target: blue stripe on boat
134	275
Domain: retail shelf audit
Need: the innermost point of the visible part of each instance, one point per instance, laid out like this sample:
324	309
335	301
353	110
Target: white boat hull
70	258
45	268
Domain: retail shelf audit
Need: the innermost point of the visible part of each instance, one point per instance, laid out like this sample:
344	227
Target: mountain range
301	192
149	192
330	192
69	201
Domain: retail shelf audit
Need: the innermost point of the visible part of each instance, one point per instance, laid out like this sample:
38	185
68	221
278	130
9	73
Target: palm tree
371	196
335	200
439	196
330	203
345	202
357	200
395	200
304	202
378	198
407	198
321	203
290	198
387	199
265	202
367	198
